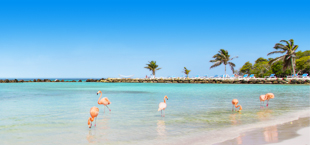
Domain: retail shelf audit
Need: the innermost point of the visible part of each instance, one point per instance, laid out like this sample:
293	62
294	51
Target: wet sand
294	132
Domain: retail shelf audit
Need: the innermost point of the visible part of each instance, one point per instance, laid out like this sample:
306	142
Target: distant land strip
181	80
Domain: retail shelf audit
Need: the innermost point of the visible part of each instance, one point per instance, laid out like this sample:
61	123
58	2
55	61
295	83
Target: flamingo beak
97	93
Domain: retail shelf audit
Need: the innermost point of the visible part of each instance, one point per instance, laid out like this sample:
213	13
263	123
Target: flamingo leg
232	109
267	103
108	107
164	113
95	121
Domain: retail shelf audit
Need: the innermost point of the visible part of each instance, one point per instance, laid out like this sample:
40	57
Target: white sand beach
290	133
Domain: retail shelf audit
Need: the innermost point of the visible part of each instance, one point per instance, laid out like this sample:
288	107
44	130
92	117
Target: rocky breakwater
180	80
34	80
208	80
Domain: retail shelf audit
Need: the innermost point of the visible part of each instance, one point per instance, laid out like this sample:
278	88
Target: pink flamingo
269	96
104	101
234	103
162	106
262	98
94	111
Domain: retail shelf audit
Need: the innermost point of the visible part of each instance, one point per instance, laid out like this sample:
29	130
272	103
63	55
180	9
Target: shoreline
177	80
287	133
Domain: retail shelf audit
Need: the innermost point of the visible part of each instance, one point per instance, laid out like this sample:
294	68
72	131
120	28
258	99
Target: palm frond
232	65
286	63
280	46
234	57
276	52
295	47
276	59
216	64
288	44
292	42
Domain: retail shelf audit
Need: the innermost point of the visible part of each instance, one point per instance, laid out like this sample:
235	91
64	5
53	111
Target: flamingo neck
90	119
164	100
240	107
100	97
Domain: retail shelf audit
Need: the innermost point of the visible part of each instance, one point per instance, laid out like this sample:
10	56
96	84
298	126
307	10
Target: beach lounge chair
245	76
205	76
292	76
271	76
304	75
252	76
216	76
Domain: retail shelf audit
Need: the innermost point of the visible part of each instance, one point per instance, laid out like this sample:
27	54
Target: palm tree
222	57
289	57
186	71
152	66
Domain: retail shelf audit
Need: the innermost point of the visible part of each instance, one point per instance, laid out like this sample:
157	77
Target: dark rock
294	81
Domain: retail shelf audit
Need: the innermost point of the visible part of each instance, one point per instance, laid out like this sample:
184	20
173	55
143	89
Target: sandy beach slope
296	132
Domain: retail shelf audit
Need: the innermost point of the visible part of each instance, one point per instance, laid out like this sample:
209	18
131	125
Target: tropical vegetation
152	66
186	71
288	58
222	57
262	67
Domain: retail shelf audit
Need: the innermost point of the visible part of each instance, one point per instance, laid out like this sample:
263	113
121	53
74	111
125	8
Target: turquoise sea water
57	113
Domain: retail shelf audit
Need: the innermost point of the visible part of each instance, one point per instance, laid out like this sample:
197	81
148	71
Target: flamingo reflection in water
270	133
161	128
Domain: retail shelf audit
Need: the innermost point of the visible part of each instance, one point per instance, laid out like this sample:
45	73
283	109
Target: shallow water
51	113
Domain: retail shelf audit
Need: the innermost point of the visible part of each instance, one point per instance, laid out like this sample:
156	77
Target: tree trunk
225	70
292	62
154	73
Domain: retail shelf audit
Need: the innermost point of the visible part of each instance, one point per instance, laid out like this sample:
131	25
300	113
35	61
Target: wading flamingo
162	106
269	96
235	102
104	101
94	111
262	98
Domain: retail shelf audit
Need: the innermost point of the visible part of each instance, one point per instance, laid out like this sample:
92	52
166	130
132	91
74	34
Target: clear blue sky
95	39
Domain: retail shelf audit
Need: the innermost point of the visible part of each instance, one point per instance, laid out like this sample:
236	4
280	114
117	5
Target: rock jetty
181	80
